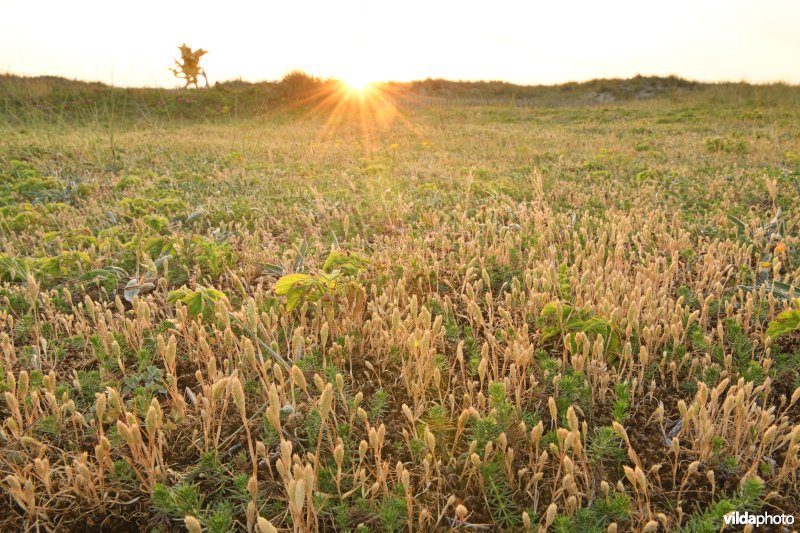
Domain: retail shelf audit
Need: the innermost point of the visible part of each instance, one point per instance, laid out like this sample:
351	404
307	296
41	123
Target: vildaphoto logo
736	518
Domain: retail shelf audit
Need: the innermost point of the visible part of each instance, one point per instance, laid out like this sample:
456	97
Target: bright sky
133	43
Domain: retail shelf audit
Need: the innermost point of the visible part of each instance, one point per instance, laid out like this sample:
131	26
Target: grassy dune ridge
506	308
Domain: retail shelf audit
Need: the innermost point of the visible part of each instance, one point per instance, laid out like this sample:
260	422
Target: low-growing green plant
595	518
335	278
786	322
378	405
563	319
499	498
198	301
212	257
178	501
726	145
622	404
605	447
748	498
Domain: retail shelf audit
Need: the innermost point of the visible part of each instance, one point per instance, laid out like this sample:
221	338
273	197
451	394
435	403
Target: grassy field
517	309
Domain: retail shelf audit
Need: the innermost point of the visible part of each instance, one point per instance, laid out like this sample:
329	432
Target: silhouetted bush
298	85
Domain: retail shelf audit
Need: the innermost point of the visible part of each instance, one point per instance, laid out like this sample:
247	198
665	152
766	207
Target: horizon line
420	80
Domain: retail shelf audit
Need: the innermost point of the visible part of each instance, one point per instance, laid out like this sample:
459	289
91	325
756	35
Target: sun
357	82
357	96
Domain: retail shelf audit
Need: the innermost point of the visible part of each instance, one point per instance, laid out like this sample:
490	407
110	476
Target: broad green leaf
786	322
347	263
289	281
294	297
202	300
194	303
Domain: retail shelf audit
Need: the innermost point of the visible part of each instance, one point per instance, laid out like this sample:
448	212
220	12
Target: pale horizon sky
534	42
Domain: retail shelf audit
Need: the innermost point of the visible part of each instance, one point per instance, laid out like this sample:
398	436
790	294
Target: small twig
280	360
230	437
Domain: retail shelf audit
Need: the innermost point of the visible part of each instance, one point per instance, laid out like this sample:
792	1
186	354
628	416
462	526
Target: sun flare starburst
356	99
358	82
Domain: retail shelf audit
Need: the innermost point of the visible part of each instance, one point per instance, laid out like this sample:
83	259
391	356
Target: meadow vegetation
528	309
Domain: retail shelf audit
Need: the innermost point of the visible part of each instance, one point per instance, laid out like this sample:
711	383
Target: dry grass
557	324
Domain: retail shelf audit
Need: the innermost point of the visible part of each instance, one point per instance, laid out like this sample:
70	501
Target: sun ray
358	100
